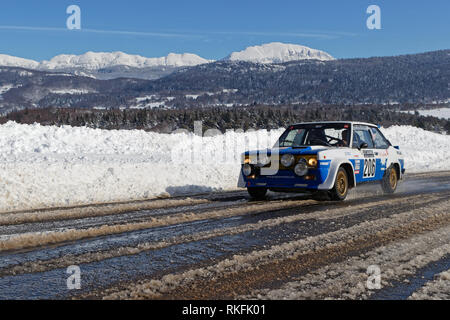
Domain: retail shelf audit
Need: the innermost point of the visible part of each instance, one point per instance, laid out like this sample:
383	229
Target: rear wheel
257	193
340	189
390	180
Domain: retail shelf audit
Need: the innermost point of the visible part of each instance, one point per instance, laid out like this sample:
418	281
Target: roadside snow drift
45	166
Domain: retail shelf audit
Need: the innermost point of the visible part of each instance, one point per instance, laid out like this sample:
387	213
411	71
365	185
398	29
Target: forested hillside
256	117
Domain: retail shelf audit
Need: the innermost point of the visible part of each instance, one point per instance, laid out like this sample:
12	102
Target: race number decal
369	168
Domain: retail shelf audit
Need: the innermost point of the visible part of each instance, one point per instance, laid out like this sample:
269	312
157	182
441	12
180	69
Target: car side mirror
363	146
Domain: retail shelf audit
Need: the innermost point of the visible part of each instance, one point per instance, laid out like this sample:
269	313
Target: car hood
294	151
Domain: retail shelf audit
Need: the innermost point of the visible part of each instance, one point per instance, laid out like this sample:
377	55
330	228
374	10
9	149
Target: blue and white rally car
325	159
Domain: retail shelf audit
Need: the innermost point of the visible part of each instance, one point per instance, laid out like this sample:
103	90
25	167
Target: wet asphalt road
115	251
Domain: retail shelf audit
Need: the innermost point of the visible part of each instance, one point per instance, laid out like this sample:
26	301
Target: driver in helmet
345	138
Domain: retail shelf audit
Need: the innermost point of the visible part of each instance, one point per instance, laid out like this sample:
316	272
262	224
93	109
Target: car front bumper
286	179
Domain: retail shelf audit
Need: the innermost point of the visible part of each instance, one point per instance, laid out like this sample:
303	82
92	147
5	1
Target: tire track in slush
30	240
92	222
135	242
398	262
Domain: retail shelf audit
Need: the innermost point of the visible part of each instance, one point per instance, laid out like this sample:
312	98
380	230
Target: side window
362	134
380	141
298	140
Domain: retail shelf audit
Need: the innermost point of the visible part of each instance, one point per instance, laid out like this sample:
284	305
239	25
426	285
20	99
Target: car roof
327	122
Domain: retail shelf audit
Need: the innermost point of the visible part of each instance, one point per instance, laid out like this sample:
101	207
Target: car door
369	163
381	145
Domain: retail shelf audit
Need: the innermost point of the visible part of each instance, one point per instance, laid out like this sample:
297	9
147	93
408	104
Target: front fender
328	184
400	177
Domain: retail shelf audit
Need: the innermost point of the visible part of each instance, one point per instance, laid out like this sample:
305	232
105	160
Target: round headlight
301	169
312	162
287	160
247	170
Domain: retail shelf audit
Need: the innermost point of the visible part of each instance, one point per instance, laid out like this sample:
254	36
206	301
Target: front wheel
390	180
257	193
340	189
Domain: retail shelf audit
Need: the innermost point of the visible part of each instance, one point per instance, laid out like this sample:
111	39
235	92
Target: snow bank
443	113
53	166
43	166
424	151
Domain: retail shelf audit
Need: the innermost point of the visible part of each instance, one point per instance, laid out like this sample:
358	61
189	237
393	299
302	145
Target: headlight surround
287	160
301	168
247	169
263	159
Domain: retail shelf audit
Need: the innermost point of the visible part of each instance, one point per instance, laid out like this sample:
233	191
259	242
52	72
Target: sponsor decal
357	165
368	154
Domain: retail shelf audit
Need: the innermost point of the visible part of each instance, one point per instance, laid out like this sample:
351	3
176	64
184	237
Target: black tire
340	189
257	193
389	182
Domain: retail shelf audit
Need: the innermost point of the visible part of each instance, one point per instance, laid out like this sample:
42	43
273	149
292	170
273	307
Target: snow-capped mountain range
105	65
10	61
109	65
99	60
277	52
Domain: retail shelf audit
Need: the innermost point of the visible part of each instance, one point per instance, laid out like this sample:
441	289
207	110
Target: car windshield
326	134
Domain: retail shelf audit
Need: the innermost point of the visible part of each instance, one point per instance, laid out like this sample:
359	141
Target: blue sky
214	28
